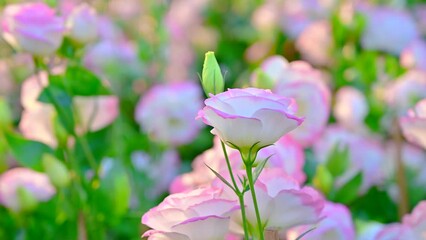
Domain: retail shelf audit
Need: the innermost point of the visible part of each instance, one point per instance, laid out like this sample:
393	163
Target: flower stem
253	194
239	193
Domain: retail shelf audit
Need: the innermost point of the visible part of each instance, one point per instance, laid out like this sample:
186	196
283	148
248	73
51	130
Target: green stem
253	194
238	193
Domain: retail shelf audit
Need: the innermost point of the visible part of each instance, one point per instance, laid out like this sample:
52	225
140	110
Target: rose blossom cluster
242	119
35	28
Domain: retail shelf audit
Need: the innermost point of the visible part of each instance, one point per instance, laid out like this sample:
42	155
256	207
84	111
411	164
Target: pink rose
37	184
199	214
414	125
351	107
82	24
307	86
282	202
388	29
167	112
249	117
337	224
160	170
414	55
407	90
33	27
413	226
315	43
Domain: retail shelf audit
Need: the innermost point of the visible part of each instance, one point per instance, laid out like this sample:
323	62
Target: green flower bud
323	179
56	170
212	79
262	80
27	201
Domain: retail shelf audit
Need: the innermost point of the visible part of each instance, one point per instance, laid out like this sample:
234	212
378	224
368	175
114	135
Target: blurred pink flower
414	162
388	29
36	123
160	170
282	202
414	55
404	93
336	224
32	27
198	214
286	154
112	59
315	43
37	184
366	155
351	107
306	85
167	112
82	23
246	117
413	226
298	14
414	125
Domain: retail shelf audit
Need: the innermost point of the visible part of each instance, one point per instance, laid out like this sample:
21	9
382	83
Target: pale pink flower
413	226
159	170
199	214
315	43
112	59
307	86
407	90
285	154
93	113
336	224
366	155
167	112
389	30
414	55
82	23
32	27
414	125
351	107
282	202
249	117
37	184
298	14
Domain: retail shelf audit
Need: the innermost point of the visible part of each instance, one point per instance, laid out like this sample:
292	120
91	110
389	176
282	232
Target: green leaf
259	168
82	82
116	186
27	152
323	179
338	160
221	178
56	95
349	191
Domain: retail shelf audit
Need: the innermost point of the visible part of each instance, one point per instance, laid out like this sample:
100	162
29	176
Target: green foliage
338	160
27	152
349	192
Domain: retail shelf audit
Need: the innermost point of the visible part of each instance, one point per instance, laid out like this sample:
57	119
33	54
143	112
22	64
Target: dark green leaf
56	95
82	82
27	152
